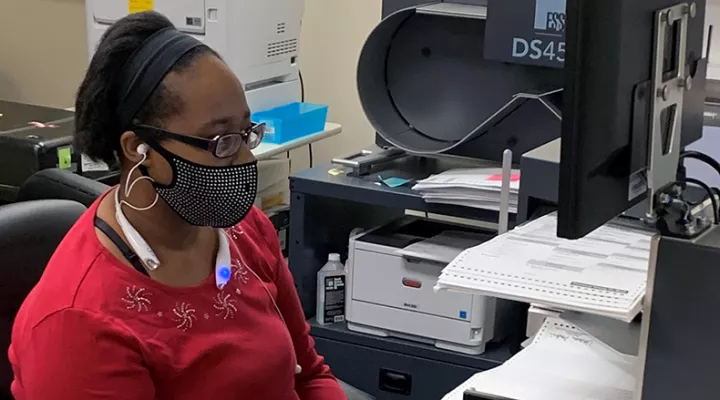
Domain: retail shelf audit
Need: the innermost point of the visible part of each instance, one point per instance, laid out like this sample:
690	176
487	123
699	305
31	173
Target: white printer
392	270
259	40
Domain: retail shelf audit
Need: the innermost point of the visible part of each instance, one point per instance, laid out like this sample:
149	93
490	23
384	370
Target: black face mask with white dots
208	196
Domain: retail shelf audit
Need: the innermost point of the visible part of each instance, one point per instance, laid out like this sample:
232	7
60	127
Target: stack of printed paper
472	187
561	363
603	273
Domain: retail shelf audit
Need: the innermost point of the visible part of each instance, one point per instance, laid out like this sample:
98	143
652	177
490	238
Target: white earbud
142	149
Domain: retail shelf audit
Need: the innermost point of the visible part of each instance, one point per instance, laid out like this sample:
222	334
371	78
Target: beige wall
333	34
42	50
43	57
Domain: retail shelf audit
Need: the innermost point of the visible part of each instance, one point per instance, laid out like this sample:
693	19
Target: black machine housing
427	88
430	82
34	138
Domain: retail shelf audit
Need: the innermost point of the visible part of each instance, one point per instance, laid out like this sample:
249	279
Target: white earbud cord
298	368
242	260
129	186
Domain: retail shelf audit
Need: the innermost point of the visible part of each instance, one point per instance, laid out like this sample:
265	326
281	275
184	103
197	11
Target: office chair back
57	183
29	233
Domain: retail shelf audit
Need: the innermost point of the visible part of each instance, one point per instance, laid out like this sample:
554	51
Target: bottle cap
334	257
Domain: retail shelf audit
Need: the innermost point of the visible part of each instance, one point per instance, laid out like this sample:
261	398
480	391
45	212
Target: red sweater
94	328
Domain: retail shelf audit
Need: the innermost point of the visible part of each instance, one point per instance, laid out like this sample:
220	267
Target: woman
148	297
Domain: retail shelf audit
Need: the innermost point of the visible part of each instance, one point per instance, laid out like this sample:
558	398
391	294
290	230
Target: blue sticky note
463	314
393	182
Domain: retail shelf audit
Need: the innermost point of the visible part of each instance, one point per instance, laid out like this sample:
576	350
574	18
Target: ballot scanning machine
452	79
259	40
428	87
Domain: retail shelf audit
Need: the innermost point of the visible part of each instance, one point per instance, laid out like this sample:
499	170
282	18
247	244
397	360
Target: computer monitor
607	105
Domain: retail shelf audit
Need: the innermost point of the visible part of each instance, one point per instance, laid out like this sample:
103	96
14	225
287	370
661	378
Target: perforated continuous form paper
562	363
603	273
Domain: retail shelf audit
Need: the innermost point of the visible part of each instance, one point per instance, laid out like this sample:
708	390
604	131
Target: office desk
269	150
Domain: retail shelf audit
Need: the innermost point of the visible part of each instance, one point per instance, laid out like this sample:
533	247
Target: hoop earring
129	186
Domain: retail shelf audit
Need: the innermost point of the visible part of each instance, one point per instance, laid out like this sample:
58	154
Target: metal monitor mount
672	214
667	105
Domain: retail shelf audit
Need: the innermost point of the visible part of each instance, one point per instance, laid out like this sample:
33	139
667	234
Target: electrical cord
710	193
702	157
302	86
302	99
310	154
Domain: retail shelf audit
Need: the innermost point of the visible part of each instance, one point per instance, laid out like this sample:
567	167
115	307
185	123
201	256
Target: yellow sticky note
135	6
64	157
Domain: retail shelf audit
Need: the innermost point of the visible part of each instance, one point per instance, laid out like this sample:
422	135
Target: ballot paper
561	363
603	273
442	248
471	187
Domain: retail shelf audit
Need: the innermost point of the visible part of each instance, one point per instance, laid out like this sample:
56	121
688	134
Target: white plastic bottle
331	291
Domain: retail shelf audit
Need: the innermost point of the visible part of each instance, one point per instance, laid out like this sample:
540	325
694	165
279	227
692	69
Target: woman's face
213	103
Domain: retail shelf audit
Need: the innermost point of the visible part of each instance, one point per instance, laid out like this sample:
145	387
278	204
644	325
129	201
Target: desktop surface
19	115
335	181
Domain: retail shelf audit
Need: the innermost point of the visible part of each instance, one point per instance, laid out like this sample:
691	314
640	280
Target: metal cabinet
395	369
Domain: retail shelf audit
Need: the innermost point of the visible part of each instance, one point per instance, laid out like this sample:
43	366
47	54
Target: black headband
147	67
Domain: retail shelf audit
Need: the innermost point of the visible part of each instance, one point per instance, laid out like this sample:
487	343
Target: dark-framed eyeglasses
221	146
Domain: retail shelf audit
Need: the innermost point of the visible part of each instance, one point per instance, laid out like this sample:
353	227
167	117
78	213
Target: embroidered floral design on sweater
184	316
225	306
239	272
137	299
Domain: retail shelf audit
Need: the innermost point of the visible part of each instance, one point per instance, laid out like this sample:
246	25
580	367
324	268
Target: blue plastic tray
292	121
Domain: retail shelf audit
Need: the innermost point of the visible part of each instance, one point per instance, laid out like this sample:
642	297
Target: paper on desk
604	273
473	178
472	187
562	363
428	196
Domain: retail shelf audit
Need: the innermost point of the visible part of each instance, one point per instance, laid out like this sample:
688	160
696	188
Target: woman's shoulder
256	236
257	225
75	276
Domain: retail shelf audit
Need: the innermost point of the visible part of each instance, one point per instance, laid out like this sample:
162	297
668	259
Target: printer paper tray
414	323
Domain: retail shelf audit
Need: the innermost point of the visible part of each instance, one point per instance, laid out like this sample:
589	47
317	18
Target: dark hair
97	128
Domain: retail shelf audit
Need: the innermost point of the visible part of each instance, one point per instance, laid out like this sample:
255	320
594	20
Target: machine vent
281	27
282	47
